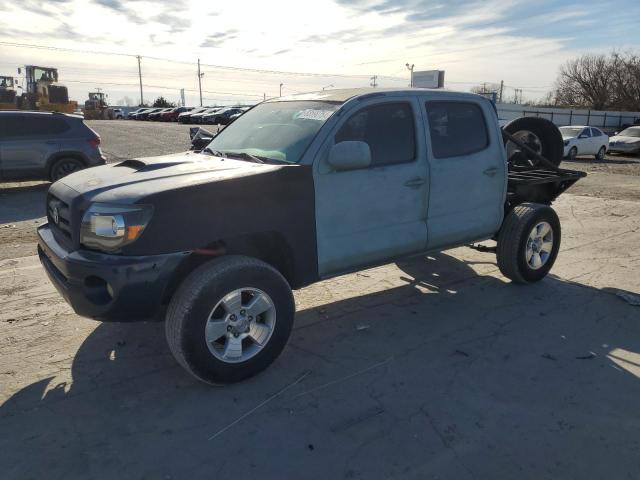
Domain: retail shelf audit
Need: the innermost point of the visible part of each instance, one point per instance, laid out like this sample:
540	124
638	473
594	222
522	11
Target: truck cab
296	190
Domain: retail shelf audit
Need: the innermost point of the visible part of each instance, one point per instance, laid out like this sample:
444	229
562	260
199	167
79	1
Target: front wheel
528	243
230	319
573	153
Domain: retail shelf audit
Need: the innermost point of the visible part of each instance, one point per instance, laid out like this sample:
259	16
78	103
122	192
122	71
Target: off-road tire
513	237
546	131
191	305
65	166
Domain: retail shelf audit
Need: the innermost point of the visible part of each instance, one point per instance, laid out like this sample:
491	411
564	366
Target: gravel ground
122	139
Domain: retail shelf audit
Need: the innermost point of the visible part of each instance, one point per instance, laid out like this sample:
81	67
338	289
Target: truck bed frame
540	185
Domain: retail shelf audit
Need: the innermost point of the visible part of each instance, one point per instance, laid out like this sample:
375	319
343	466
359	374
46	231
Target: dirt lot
435	367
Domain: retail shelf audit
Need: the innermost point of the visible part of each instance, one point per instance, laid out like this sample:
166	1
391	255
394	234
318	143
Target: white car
118	114
627	141
583	140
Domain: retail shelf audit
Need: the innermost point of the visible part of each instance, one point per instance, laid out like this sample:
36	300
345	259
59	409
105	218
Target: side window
595	132
586	132
456	128
16	126
27	125
389	130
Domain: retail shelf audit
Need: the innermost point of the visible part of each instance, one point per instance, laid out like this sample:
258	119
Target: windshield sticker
312	114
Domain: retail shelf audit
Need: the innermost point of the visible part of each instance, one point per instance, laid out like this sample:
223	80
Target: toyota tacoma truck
296	190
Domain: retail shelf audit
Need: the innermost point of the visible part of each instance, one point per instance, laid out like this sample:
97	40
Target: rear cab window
456	128
388	129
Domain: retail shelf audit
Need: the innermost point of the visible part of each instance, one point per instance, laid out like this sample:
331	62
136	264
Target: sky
249	48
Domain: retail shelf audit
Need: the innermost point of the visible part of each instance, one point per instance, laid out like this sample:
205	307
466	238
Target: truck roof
342	95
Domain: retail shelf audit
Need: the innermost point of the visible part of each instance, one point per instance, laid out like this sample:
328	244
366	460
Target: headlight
566	142
110	227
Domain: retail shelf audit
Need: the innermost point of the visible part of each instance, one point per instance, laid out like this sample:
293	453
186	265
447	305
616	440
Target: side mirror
350	155
582	136
200	138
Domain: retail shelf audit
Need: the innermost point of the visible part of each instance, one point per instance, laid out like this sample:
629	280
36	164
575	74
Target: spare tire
540	135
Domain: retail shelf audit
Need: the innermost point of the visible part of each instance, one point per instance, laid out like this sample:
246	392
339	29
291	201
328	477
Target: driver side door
367	215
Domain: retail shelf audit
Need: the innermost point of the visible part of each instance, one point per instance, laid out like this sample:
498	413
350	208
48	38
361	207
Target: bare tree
599	82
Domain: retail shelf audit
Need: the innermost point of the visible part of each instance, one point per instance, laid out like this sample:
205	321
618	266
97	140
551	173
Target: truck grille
59	215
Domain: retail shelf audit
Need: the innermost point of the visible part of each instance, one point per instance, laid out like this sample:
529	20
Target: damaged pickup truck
298	189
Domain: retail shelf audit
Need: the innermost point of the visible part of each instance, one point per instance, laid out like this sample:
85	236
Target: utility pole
374	83
501	89
264	97
200	75
140	76
281	88
410	68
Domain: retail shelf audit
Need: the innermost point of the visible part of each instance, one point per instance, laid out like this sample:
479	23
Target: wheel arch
271	247
65	154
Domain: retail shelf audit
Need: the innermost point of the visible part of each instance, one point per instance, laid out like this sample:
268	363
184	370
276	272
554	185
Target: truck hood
130	180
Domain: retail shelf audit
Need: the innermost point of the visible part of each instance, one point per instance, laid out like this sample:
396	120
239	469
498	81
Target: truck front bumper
107	287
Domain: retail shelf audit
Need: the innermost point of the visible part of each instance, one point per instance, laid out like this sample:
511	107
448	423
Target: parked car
626	141
235	116
132	115
145	114
45	145
199	117
222	117
118	114
185	117
155	116
584	140
172	115
294	191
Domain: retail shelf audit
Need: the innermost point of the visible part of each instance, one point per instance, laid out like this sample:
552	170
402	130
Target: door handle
491	172
414	182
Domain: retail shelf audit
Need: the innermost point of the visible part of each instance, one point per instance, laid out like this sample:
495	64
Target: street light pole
410	68
281	88
140	77
200	75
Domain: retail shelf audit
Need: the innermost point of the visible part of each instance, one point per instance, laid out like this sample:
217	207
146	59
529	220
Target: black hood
130	180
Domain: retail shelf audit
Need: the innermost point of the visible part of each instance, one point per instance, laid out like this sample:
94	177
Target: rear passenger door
467	171
372	214
27	142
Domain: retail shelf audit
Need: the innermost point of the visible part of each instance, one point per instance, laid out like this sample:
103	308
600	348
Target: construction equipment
7	93
43	92
96	107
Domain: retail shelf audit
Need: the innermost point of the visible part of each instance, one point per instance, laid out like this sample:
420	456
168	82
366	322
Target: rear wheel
230	319
63	167
601	153
528	243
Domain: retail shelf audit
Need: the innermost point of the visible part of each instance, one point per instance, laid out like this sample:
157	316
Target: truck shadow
22	201
472	350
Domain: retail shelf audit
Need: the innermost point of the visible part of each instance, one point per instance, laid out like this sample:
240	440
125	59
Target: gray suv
45	145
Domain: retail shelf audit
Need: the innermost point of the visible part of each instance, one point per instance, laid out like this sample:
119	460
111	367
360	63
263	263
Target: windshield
630	132
570	131
279	131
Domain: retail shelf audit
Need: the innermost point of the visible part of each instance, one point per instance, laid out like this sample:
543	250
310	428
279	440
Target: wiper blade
245	156
214	152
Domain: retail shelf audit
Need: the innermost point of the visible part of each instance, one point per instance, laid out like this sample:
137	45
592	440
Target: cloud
216	40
